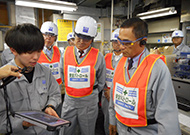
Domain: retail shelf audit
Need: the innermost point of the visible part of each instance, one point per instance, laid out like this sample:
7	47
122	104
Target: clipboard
41	119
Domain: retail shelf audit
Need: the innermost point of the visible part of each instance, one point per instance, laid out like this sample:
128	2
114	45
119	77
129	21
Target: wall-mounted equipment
48	4
157	13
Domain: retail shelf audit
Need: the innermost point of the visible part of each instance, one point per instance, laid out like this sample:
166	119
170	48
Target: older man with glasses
51	55
143	100
84	77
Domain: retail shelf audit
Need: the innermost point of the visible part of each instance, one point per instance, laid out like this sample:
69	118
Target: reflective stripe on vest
53	64
79	78
109	69
130	97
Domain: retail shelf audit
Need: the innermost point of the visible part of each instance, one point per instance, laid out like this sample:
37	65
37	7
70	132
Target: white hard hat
115	34
87	26
49	27
177	33
70	35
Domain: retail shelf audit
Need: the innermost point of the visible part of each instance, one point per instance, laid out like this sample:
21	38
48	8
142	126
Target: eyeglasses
128	42
84	38
115	42
49	35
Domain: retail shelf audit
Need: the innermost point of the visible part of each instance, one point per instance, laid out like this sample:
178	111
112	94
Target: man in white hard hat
84	77
51	55
71	39
111	60
177	38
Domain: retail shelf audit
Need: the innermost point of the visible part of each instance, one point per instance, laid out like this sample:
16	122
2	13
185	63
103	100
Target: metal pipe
111	27
42	16
128	10
80	2
131	11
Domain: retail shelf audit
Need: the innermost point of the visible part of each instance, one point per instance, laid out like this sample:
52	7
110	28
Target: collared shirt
100	68
159	88
85	51
44	90
180	48
117	57
135	59
48	52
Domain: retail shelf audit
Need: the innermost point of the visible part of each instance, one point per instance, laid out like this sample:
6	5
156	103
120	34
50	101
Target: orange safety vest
109	69
130	97
53	64
79	78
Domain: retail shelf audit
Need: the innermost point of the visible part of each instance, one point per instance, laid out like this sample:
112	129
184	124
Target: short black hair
25	38
140	27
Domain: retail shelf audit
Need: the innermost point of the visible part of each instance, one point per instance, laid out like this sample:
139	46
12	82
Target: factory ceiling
138	6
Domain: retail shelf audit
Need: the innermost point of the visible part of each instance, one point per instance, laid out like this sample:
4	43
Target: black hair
25	38
84	36
140	27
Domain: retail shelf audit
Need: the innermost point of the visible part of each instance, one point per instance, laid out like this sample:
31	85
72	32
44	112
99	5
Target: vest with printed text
109	69
79	78
130	97
53	64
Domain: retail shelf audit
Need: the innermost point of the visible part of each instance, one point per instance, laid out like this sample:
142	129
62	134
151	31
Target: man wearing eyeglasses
84	77
143	100
51	55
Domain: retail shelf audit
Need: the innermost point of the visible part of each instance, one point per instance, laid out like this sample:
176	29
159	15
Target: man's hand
107	93
9	70
50	111
112	129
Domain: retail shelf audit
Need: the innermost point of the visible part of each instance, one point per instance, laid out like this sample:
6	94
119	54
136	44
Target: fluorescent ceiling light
157	13
47	4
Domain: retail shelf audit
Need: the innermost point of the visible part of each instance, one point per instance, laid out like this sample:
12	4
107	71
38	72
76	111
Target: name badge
78	77
126	101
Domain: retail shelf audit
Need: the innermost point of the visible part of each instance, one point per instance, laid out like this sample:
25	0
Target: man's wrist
47	106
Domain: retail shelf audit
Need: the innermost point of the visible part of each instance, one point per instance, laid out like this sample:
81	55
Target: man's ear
14	51
55	38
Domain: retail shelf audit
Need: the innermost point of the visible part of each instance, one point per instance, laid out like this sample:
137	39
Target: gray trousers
84	117
105	106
